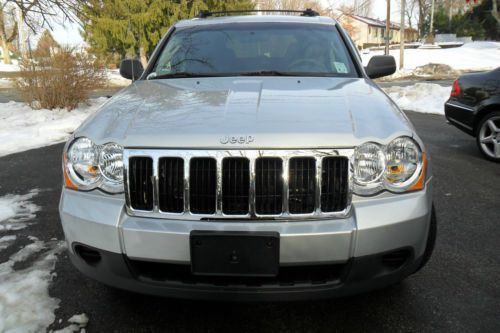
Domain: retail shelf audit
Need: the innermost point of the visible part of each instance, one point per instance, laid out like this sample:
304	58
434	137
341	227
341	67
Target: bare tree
37	13
424	8
34	14
343	15
8	30
290	4
410	10
362	7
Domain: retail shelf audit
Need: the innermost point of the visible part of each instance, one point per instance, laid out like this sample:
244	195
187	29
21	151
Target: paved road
457	292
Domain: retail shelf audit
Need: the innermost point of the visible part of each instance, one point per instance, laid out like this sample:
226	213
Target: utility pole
450	14
388	27
402	36
431	29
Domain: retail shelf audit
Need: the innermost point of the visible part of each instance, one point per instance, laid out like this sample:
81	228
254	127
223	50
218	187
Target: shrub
60	80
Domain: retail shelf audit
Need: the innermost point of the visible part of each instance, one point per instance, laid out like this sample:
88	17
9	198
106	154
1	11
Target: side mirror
131	69
380	65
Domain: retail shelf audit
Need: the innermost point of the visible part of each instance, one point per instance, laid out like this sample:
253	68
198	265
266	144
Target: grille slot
334	183
302	185
171	184
202	185
141	183
235	185
269	186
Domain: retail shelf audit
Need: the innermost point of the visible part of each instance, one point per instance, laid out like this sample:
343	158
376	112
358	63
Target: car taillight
455	89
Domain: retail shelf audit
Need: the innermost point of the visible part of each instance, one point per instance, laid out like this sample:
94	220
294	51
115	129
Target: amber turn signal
67	180
419	185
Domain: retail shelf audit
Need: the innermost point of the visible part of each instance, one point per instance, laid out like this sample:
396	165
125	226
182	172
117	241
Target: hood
267	112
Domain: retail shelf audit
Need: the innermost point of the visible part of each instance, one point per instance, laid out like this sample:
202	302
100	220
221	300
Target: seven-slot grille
246	184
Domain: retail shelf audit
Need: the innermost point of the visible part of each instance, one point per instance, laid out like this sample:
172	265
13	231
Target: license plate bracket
234	253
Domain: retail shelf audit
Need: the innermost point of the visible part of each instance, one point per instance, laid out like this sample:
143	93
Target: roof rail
307	12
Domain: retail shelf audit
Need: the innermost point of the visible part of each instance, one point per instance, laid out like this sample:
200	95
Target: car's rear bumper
379	243
460	116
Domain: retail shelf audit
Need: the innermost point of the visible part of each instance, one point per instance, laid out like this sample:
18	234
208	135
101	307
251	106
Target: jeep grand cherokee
252	159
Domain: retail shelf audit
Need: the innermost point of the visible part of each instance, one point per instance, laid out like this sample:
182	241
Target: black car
474	107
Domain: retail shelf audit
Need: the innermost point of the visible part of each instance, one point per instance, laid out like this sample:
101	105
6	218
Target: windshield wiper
269	73
180	75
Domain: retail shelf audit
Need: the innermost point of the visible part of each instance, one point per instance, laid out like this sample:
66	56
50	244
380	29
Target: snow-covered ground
470	56
16	211
420	97
22	128
25	303
14	67
115	79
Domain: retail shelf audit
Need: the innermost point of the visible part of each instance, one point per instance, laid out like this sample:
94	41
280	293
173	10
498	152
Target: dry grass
61	80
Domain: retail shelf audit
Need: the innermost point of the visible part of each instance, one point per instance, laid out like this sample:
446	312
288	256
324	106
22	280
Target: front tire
488	136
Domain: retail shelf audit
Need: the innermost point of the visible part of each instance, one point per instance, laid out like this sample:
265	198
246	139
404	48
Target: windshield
255	49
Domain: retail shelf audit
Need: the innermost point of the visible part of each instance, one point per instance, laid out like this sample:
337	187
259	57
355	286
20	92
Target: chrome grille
235	186
302	185
243	184
141	183
171	184
334	187
202	184
269	186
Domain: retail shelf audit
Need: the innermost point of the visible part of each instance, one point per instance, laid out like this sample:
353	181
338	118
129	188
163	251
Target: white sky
68	34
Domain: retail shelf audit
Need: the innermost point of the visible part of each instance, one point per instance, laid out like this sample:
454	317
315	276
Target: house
367	32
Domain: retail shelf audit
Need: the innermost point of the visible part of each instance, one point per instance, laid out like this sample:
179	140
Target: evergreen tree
134	27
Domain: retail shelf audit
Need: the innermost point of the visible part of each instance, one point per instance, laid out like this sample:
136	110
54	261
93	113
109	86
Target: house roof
374	22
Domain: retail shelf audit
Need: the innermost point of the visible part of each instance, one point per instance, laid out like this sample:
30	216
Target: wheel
431	241
488	136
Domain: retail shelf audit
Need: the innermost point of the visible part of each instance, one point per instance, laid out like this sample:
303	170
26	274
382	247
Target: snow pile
115	79
482	45
25	304
470	56
22	128
17	210
420	97
14	67
6	83
435	71
77	324
7	241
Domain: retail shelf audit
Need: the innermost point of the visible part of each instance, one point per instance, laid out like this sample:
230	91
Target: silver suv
252	159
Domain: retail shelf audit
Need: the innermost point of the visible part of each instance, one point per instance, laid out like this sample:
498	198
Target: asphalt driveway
457	292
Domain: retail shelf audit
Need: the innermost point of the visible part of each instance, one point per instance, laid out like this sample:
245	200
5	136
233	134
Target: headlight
369	162
397	167
404	159
369	166
111	167
82	163
88	166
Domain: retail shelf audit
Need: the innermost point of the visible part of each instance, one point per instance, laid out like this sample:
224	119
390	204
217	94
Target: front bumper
350	255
